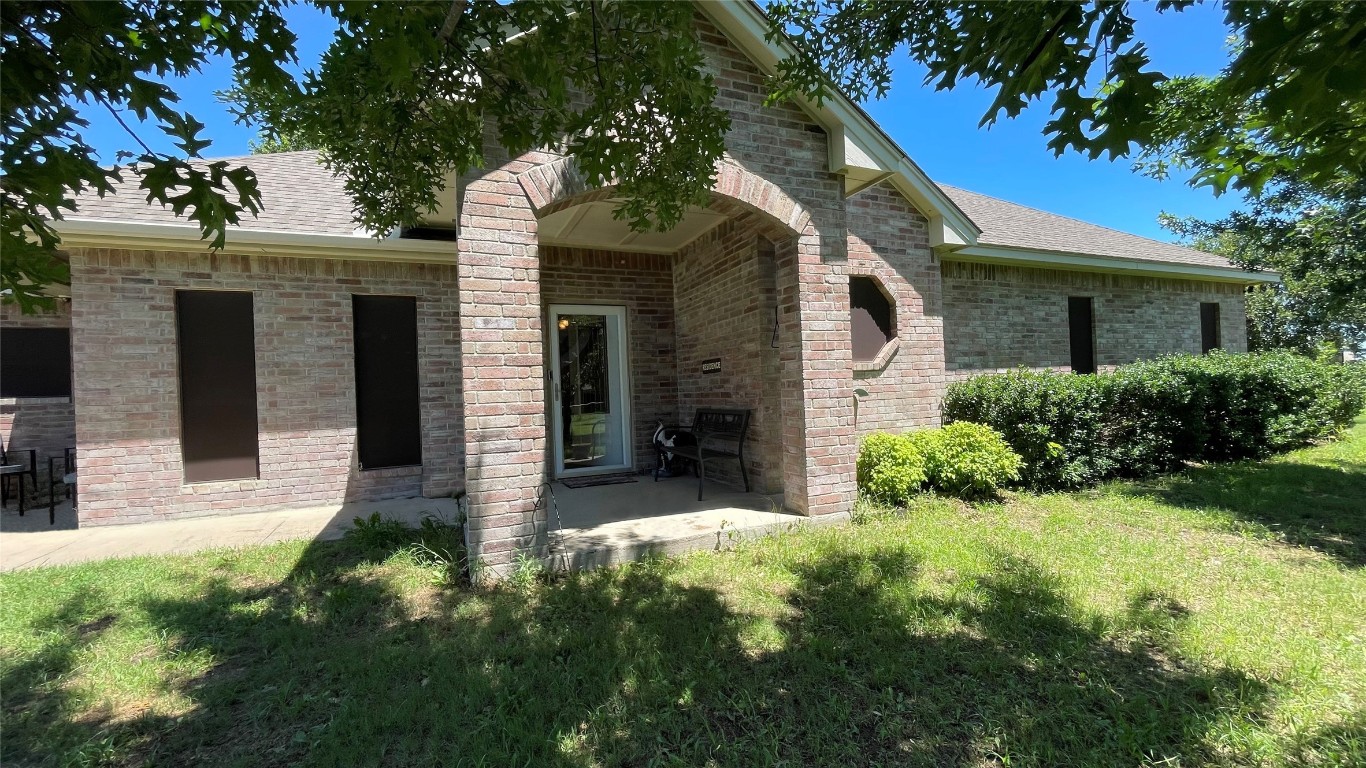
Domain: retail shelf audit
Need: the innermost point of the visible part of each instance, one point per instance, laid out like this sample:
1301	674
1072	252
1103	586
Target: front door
589	393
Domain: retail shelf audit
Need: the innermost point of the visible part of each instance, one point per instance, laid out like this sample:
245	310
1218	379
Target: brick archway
503	369
558	185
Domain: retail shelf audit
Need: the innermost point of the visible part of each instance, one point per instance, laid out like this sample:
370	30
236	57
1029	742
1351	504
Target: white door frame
623	387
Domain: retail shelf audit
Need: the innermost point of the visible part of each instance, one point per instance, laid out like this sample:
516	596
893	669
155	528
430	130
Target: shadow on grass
1308	505
32	703
635	667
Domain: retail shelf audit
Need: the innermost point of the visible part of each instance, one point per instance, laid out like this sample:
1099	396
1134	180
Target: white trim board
995	254
95	233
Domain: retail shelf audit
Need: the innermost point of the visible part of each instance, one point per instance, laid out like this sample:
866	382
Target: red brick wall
889	240
725	297
643	283
997	317
44	424
782	146
776	163
127	407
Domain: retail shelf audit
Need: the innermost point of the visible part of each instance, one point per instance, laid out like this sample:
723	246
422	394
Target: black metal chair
11	471
67	478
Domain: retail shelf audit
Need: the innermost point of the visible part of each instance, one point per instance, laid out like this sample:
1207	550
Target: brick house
524	334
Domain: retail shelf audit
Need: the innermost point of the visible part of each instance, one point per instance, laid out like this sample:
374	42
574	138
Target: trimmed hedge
1151	417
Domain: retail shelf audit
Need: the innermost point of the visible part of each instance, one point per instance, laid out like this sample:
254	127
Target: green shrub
1150	417
1050	419
890	468
1248	406
967	460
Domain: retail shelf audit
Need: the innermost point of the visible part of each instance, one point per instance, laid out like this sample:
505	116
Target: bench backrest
728	423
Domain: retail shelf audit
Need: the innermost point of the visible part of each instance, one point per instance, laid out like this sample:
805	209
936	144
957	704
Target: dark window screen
1081	334
388	412
217	345
1209	327
870	318
35	362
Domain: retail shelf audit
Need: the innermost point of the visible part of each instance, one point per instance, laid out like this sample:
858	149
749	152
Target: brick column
819	441
502	371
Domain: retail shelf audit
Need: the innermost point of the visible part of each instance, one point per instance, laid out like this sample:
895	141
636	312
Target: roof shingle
298	194
1011	225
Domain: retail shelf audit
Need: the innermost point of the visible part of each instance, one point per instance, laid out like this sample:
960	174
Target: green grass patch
1209	618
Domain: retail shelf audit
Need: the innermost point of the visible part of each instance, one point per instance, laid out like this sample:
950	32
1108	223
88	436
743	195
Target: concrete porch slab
29	542
612	524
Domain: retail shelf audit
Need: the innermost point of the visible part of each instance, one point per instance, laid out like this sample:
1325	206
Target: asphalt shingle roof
298	194
1012	225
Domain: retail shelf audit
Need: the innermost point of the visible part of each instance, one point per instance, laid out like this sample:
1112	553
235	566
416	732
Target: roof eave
1026	257
856	141
96	233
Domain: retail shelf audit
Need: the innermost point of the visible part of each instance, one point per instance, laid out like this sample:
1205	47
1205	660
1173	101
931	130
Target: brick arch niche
806	415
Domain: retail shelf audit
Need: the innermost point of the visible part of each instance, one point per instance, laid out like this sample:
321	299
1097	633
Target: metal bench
718	433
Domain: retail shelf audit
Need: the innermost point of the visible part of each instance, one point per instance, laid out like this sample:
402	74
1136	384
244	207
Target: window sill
884	356
195	487
401	470
34	400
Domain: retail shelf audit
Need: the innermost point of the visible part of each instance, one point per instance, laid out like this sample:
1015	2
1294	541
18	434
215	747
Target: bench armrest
32	470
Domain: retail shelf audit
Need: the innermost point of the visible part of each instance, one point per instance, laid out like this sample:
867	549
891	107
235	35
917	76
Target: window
872	321
1209	327
388	405
216	342
35	362
1081	322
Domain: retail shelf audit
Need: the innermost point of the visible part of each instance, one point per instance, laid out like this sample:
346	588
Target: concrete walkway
611	524
29	542
588	527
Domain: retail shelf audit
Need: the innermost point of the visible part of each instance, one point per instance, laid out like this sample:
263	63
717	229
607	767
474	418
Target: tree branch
452	20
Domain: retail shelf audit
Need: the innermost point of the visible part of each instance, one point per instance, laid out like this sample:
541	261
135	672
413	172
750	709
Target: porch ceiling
591	225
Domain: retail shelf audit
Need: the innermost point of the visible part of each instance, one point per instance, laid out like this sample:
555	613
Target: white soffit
447	213
591	225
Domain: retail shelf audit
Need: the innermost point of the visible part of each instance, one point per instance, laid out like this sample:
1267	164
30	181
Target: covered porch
612	332
610	524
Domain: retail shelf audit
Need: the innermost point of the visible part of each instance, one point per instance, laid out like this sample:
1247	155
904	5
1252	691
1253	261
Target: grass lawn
1214	618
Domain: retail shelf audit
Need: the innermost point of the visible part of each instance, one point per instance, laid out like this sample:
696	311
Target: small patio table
14	470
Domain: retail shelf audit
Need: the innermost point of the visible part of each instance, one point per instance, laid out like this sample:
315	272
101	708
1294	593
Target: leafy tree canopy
1315	236
398	101
406	90
1297	82
1307	223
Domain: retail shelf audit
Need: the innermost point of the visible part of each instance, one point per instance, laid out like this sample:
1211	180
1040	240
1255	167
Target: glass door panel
588	385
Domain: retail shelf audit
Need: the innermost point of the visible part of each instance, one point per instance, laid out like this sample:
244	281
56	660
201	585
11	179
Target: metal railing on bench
718	433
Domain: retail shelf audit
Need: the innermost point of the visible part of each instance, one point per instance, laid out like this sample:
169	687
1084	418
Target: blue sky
1009	160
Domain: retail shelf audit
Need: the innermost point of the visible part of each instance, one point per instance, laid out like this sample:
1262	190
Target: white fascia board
94	233
995	254
854	136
